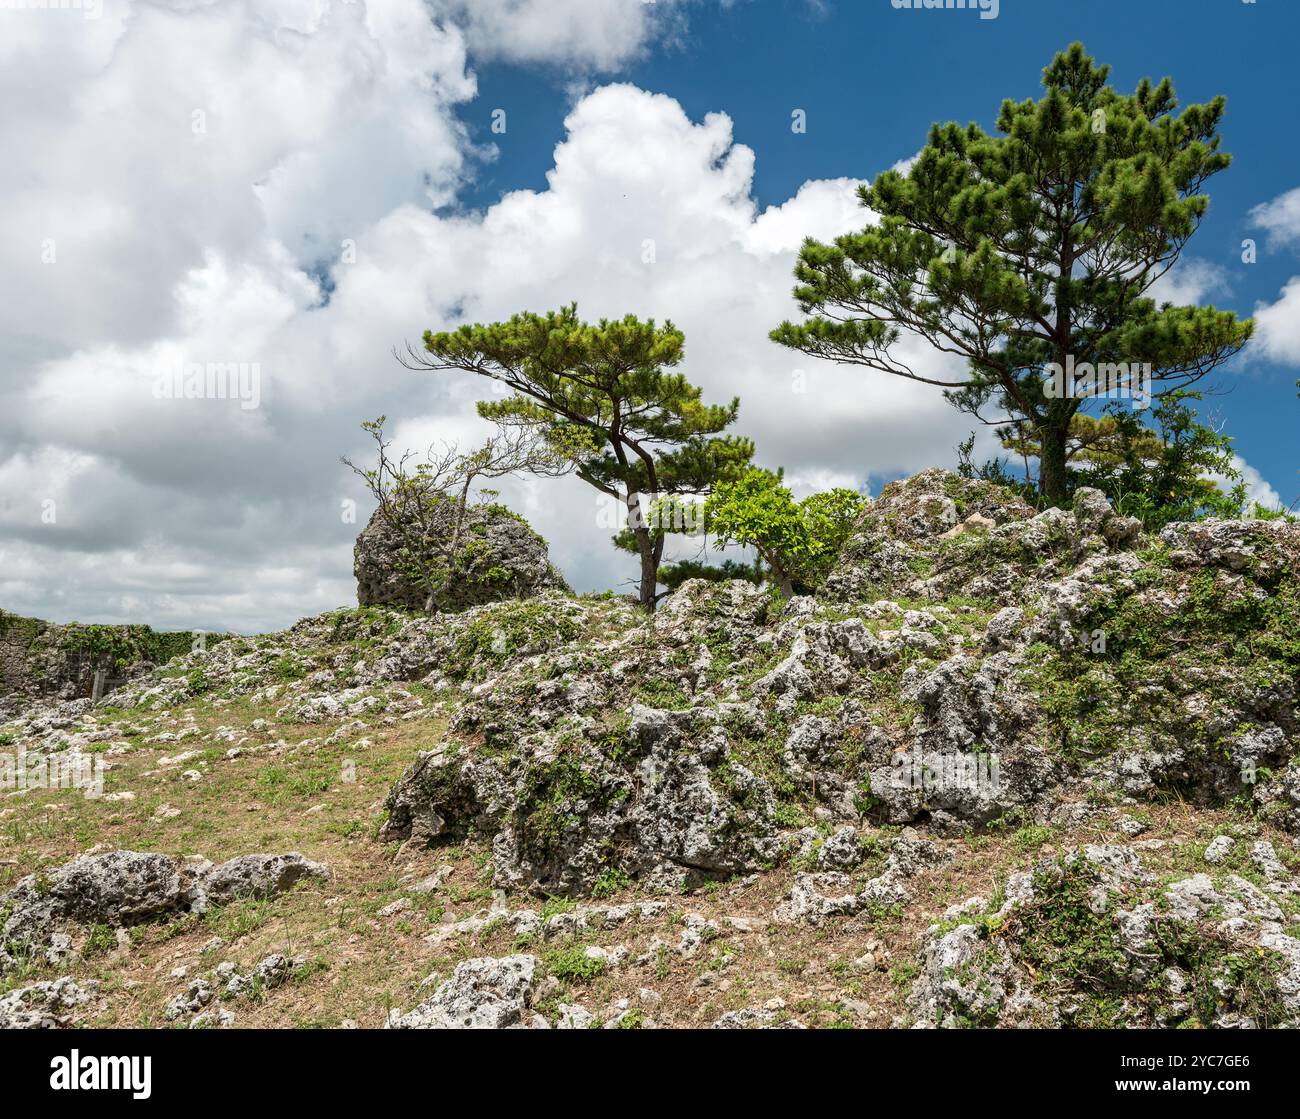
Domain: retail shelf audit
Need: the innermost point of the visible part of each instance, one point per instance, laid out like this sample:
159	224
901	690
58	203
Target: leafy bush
798	541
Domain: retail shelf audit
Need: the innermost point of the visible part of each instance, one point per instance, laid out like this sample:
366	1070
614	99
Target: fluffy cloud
245	129
599	34
324	124
1280	217
1189	282
1277	324
1258	491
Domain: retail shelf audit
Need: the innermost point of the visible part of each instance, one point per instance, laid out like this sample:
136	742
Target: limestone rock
125	888
1193	952
482	994
755	1018
499	558
42	1006
253	877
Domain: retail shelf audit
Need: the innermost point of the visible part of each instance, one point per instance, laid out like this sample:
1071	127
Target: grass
293	800
362	965
574	965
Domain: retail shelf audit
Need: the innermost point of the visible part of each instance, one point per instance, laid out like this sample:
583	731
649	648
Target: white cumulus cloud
1280	216
298	225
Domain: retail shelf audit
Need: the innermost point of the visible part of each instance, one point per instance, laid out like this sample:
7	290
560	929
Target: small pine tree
604	393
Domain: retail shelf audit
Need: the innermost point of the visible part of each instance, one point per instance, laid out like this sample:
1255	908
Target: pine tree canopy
1027	247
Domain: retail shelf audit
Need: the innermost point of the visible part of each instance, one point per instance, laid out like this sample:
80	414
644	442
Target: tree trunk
645	546
1053	474
649	569
778	575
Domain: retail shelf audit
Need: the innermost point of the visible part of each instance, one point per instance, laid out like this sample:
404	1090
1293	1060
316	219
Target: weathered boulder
482	994
661	798
498	557
590	759
252	877
126	888
118	888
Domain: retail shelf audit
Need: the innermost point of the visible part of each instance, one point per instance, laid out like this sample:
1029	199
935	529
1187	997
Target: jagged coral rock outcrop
942	679
948	680
974	676
41	660
1092	939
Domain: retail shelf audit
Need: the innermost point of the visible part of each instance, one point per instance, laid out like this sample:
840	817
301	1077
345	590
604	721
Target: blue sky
873	79
299	186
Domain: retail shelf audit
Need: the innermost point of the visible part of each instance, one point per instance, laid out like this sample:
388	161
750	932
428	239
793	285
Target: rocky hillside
1007	769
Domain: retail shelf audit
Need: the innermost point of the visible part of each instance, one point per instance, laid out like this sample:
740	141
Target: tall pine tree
1034	246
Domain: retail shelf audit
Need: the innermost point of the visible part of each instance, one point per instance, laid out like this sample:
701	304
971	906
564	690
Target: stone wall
40	659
